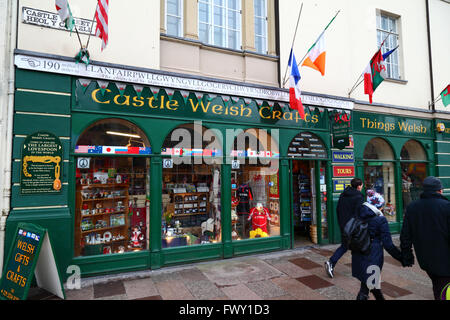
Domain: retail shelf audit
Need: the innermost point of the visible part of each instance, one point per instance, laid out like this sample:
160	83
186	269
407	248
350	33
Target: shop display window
414	171
379	174
191	187
112	190
191	205
255	201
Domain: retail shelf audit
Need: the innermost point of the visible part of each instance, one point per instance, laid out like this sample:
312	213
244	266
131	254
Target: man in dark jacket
426	226
348	205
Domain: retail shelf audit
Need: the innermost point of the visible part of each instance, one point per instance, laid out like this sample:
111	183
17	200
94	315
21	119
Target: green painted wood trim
398	191
194	253
226	210
155	212
43	81
251	246
30	123
285	202
112	263
41	102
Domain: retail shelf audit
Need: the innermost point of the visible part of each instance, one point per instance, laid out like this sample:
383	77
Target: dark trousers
364	293
338	254
438	285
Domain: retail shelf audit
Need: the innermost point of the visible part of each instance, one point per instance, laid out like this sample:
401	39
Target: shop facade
393	155
160	169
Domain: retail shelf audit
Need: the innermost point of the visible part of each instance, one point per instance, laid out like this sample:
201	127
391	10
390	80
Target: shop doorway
309	202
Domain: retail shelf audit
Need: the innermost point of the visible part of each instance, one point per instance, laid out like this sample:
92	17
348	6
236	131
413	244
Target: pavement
296	274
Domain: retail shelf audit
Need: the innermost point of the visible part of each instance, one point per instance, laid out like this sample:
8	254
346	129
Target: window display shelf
117	204
103	229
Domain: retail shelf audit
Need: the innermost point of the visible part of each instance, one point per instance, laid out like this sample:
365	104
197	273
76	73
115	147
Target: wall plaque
42	156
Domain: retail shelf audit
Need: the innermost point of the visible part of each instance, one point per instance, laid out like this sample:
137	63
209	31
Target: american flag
101	15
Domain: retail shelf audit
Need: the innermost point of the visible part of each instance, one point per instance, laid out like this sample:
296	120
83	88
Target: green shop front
159	169
393	155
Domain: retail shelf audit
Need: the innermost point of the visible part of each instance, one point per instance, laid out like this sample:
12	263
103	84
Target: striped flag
295	100
101	15
316	55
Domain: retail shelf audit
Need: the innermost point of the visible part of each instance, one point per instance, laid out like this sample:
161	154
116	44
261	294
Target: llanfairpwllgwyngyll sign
146	77
42	159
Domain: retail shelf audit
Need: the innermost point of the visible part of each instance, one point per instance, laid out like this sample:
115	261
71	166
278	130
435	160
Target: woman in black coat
381	238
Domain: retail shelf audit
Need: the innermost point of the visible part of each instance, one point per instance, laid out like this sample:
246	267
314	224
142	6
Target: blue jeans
338	254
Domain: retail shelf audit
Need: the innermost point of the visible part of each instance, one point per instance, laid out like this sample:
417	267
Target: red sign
343	171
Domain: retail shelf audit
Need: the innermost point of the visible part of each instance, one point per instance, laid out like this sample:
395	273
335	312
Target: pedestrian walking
348	204
365	265
426	226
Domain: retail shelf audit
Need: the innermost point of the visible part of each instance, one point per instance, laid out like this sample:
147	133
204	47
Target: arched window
378	149
413	150
379	175
191	186
113	133
112	188
414	170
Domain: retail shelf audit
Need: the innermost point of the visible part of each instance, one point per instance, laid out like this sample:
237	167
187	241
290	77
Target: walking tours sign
30	255
41	164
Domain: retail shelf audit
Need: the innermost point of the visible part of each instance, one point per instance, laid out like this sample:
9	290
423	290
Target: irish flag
294	86
62	7
316	56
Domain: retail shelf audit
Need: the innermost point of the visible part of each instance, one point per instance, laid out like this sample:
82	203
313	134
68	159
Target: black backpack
356	235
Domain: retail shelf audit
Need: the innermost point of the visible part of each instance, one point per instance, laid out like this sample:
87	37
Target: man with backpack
349	203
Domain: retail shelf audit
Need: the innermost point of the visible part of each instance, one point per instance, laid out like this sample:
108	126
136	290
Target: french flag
294	87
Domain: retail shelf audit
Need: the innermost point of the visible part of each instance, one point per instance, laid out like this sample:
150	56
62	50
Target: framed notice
31	255
343	171
42	160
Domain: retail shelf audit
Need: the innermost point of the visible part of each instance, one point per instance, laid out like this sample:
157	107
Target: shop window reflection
191	205
379	175
413	173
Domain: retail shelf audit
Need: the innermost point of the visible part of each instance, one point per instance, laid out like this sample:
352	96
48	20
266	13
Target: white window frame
263	36
393	61
180	18
212	24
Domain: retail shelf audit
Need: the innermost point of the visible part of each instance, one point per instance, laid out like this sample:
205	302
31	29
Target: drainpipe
430	62
6	120
277	40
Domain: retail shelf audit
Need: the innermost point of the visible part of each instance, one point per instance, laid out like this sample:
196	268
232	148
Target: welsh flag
63	9
375	72
445	95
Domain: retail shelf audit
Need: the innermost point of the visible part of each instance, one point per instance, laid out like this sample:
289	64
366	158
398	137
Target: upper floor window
388	24
220	23
174	17
260	25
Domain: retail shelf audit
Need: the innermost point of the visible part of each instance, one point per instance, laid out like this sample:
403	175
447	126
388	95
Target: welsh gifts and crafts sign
30	255
42	159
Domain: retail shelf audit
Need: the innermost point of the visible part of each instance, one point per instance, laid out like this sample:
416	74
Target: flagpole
355	85
293	40
298	64
92	26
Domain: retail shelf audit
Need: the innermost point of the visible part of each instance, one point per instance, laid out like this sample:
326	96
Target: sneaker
329	269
